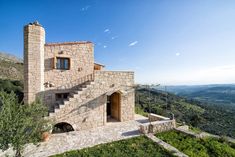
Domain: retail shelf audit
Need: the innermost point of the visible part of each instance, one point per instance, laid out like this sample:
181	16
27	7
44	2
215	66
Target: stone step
78	95
56	110
62	105
56	106
51	114
92	83
84	86
75	93
66	102
87	83
71	99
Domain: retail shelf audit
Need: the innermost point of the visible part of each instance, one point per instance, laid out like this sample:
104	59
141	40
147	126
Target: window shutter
53	63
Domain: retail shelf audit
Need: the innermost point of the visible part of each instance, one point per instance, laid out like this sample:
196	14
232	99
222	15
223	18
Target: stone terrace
59	143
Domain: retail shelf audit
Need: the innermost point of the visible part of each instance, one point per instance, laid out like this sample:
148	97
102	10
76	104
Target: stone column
34	41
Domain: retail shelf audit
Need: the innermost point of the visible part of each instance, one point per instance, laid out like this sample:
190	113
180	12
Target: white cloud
133	43
85	8
104	46
106	30
114	37
177	54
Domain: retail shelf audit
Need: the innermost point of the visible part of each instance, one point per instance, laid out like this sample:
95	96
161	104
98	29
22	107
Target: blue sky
163	41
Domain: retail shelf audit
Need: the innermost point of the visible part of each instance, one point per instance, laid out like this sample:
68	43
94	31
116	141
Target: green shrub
134	147
12	86
195	147
20	124
140	111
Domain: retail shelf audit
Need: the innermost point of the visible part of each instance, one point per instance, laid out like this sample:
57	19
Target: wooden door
115	106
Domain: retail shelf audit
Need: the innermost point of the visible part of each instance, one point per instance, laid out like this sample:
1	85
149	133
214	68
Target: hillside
11	67
214	119
10	57
212	94
11	74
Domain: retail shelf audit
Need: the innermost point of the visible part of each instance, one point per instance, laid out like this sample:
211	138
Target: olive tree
20	123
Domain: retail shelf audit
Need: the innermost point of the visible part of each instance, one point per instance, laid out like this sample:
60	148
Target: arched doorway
62	127
114	107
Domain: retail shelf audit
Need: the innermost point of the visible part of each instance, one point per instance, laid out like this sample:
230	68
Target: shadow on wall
142	121
48	96
131	133
90	105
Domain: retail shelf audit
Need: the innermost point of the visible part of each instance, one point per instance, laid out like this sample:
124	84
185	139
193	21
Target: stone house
80	94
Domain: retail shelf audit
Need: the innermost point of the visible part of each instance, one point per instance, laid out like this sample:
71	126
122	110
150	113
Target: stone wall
127	106
157	124
83	116
154	117
81	64
34	40
92	112
113	81
160	126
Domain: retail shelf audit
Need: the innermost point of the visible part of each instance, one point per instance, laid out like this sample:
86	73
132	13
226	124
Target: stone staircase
78	94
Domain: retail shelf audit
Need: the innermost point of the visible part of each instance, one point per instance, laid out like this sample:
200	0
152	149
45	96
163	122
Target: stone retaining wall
154	117
160	126
157	126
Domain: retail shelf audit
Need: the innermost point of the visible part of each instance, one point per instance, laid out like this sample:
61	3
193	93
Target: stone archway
114	107
62	127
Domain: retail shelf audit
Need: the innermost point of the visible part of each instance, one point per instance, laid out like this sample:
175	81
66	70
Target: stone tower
34	41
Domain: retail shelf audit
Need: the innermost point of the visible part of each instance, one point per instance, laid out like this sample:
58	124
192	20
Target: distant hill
10	57
211	118
213	94
11	67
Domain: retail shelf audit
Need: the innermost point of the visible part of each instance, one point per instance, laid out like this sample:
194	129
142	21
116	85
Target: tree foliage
12	86
20	124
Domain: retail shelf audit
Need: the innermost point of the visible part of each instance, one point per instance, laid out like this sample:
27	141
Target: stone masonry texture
85	107
34	40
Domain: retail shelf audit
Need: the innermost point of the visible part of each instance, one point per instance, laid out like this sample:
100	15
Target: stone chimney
34	41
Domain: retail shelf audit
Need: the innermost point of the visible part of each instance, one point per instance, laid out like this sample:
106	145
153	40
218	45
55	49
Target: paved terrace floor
59	143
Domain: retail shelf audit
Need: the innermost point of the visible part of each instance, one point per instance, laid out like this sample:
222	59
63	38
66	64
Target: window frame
61	63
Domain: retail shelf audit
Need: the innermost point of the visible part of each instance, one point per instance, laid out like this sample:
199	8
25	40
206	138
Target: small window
62	63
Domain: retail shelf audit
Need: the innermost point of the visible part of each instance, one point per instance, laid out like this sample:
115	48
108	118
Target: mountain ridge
11	67
10	57
223	94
